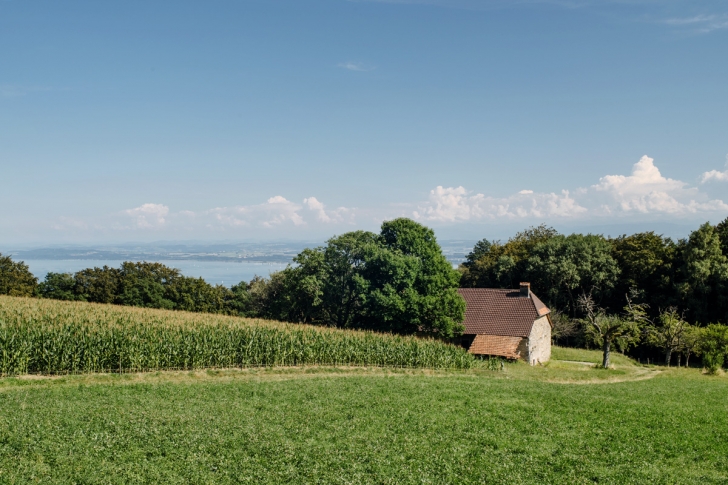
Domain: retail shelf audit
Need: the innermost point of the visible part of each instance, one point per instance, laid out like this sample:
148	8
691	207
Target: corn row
61	337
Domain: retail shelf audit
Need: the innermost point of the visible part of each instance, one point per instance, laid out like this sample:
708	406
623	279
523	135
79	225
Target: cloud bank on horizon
643	194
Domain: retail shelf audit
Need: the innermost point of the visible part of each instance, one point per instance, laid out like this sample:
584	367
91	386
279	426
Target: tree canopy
15	278
396	281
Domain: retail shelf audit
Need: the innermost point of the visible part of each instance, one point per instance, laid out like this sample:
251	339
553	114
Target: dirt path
639	374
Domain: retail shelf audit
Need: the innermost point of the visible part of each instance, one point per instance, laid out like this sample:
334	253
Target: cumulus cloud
341	214
453	204
275	211
148	216
644	191
716	175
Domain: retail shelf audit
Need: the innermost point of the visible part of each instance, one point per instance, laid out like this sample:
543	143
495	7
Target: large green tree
59	286
97	285
428	300
397	281
704	276
15	278
722	230
647	262
146	284
564	267
497	265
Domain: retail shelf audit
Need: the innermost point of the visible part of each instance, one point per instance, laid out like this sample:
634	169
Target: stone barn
508	323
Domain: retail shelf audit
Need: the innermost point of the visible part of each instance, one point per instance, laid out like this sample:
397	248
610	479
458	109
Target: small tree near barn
668	333
608	330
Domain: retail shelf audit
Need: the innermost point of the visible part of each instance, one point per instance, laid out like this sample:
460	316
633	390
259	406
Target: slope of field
56	337
345	425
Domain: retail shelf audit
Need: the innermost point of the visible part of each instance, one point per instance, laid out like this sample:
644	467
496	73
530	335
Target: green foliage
59	286
647	262
668	332
496	265
564	267
691	275
150	285
704	272
54	337
98	285
480	250
412	285
722	230
714	347
397	281
144	284
15	278
606	330
692	338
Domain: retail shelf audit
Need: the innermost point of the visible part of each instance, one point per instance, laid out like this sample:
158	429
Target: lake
214	272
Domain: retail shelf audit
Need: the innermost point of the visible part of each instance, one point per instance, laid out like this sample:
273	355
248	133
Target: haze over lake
226	264
214	272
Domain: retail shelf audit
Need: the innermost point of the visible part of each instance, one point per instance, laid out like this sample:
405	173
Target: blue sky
224	120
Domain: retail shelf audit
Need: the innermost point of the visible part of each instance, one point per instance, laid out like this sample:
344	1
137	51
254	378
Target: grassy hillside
364	426
52	337
565	422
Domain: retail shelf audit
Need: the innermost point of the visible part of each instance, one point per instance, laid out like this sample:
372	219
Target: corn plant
55	337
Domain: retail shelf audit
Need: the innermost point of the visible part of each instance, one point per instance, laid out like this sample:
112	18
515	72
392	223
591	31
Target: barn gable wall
539	342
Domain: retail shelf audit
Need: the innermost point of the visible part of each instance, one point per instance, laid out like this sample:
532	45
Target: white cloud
148	216
452	204
356	66
275	211
646	190
716	175
341	214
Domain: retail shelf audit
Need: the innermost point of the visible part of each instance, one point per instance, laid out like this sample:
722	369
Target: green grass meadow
339	425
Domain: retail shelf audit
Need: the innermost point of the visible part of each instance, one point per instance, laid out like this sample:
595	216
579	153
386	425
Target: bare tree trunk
679	359
668	356
607	347
687	359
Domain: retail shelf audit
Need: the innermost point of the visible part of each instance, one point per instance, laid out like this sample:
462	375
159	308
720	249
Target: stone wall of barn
539	342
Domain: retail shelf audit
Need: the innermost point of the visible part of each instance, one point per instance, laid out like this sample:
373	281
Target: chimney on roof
526	290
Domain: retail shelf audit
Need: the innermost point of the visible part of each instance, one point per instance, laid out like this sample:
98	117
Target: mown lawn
365	426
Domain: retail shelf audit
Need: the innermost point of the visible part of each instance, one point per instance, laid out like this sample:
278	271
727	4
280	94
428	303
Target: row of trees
690	274
669	332
151	285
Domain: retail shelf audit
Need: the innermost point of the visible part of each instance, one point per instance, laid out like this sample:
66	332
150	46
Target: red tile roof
500	312
496	345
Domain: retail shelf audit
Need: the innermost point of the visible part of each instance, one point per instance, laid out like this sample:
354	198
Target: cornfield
56	337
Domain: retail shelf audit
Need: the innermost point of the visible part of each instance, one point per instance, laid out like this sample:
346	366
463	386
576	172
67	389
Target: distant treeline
399	280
